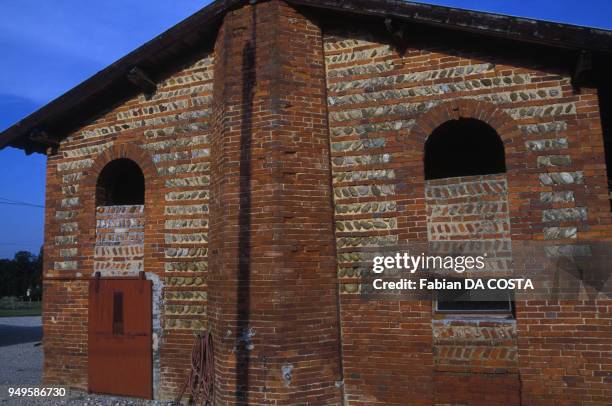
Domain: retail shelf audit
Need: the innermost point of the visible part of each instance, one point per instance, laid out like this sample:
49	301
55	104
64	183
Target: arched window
121	182
463	147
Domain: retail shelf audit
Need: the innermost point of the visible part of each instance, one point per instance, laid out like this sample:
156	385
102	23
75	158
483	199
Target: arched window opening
463	147
121	182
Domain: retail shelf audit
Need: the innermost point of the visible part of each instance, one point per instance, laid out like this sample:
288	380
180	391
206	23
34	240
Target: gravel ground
21	359
21	354
79	398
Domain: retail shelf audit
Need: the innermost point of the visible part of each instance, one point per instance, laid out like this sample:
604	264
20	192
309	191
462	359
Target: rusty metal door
119	337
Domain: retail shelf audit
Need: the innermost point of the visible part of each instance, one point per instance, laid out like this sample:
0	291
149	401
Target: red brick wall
272	297
282	168
167	135
382	107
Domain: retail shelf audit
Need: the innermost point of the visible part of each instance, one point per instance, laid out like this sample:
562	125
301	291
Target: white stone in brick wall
560	233
183	168
65	214
359	145
171	156
343	40
183	91
468	209
188	128
69	227
357	256
565	214
119	251
565	196
200	153
365	129
186	252
201	101
494	247
187	209
68	252
66	240
186	182
74	165
196	266
368	241
190	223
554	160
177	143
361	160
355	176
70	189
455	229
69	202
117	238
72	177
545	145
365	69
65	266
365	54
185	295
355	271
119	266
185	281
561	178
453	87
143	111
467	189
188	195
552	110
84	151
571	251
350	192
197	238
543	128
402	109
522	95
467	336
130	210
365	208
184	309
198	76
375	83
122	223
366	225
149	122
350	288
191	325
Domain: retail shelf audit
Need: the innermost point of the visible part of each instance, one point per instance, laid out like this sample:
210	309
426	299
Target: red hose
199	383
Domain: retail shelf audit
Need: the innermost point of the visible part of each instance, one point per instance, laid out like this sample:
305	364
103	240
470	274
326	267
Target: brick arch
486	112
153	199
411	173
128	151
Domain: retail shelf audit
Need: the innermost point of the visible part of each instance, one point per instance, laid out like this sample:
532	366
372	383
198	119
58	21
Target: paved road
21	354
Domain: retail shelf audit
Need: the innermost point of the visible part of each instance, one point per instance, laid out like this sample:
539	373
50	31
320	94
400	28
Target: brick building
251	161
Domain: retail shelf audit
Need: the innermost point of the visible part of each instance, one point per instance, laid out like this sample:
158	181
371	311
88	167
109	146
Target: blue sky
48	47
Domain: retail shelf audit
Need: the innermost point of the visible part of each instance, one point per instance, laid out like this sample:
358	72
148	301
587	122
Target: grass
32	310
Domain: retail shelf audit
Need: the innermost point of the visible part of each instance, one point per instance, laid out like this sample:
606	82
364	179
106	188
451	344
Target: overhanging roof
158	56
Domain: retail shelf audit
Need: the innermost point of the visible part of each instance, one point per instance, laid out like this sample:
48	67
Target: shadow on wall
244	222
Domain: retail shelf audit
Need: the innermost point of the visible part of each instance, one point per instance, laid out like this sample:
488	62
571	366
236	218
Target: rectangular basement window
475	302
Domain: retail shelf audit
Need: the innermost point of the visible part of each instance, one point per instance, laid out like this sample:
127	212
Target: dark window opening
465	301
121	182
463	147
605	111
